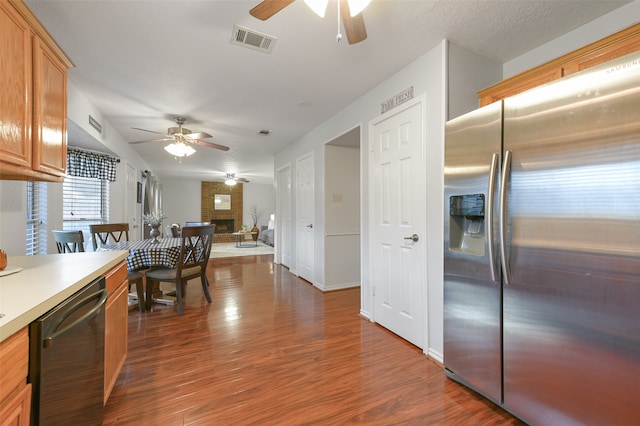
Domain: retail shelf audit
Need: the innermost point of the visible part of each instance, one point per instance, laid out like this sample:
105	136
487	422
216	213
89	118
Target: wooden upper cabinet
617	45
33	105
49	112
15	87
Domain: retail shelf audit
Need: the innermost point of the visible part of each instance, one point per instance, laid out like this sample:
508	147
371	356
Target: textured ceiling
141	63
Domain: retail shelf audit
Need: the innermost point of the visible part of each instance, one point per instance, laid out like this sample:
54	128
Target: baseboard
343	286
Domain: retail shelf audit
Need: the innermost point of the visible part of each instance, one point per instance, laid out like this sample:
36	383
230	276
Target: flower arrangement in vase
154	220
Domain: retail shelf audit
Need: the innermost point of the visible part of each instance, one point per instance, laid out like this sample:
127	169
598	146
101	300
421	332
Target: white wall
468	73
263	197
13	225
181	199
342	190
602	27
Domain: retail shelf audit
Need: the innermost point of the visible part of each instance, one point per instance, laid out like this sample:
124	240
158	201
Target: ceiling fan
182	137
353	25
231	179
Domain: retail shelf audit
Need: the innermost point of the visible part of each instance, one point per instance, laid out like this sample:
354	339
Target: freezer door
472	290
571	313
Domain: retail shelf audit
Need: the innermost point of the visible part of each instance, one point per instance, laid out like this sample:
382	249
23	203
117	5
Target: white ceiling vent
252	39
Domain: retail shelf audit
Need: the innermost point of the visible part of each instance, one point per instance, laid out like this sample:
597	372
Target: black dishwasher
66	360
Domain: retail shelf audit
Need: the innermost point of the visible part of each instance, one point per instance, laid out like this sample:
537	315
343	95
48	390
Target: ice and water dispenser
466	224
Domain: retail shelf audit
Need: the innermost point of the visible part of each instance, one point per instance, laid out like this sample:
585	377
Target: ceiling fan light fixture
179	149
230	182
318	6
357	6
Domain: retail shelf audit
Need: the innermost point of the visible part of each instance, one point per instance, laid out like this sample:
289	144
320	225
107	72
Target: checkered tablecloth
144	254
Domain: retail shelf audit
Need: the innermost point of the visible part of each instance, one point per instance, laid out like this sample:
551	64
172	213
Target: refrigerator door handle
490	196
506	170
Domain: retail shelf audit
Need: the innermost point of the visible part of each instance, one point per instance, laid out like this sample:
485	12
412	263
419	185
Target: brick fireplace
227	221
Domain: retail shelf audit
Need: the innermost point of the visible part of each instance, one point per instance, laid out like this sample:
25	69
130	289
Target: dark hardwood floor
272	350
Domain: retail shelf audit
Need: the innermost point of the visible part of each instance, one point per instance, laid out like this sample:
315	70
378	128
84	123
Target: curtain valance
91	165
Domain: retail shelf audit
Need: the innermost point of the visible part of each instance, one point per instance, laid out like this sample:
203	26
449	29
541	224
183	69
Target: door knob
310	225
413	238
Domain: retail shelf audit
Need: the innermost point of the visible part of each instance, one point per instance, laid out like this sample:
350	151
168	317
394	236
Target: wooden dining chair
107	233
69	241
195	249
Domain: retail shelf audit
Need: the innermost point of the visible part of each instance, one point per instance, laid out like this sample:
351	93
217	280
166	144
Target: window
85	202
36	218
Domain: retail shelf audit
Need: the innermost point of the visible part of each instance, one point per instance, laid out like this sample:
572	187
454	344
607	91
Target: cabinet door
116	326
15	392
49	111
17	411
15	88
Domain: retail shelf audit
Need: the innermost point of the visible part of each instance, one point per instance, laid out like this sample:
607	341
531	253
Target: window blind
36	218
85	202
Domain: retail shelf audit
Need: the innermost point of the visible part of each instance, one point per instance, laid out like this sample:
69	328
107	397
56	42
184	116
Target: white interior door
283	217
399	213
304	217
131	211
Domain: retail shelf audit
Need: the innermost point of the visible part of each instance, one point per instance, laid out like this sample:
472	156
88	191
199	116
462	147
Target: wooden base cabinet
116	323
15	392
33	105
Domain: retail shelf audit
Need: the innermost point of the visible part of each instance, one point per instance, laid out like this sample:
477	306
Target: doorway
342	236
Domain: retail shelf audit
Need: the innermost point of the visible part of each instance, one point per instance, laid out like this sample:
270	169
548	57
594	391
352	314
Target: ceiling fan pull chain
339	35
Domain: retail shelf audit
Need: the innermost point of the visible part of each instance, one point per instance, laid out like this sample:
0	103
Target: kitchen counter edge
45	282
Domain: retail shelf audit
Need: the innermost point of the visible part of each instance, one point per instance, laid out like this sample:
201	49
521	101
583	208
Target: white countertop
45	281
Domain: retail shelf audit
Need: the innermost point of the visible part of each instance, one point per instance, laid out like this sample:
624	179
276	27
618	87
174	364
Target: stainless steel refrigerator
542	249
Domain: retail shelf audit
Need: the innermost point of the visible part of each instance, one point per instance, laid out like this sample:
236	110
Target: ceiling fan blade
353	25
210	145
198	135
150	131
243	180
152	140
268	8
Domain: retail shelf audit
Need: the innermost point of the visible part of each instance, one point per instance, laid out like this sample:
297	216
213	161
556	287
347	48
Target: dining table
150	253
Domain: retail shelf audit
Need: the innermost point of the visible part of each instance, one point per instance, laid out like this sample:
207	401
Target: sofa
266	235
